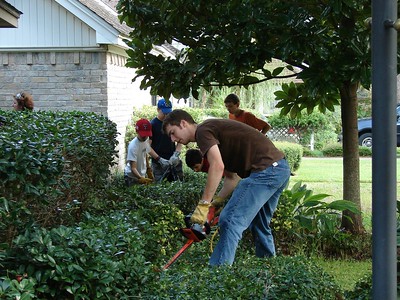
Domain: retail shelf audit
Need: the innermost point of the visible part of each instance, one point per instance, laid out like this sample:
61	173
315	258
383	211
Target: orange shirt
249	119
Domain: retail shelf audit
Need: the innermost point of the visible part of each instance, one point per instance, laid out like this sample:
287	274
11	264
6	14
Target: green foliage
229	45
115	255
293	153
365	151
50	163
90	261
305	221
255	98
100	258
362	290
333	150
277	278
17	289
322	126
336	150
315	153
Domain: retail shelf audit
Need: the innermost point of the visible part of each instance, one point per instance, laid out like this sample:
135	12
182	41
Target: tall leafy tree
325	45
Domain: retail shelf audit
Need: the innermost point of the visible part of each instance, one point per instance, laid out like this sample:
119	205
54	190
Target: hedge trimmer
194	233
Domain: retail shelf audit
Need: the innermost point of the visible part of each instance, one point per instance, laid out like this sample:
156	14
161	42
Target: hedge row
50	164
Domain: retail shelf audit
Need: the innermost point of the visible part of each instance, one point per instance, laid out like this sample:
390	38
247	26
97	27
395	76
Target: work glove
149	173
200	214
218	202
174	159
163	162
144	180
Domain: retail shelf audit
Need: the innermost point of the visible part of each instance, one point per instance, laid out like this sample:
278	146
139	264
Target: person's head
180	126
143	129
164	107
194	159
232	103
23	101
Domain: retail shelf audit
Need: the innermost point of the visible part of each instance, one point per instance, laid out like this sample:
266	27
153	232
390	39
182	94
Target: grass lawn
345	272
325	175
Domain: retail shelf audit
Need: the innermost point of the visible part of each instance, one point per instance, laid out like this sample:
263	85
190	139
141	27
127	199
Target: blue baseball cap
166	107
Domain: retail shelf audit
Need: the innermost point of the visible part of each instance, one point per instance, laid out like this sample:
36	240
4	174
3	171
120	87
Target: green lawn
346	272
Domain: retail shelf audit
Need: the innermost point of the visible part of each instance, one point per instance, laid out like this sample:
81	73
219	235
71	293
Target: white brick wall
123	97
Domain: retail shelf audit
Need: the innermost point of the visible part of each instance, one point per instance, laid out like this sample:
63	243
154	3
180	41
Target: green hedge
293	153
336	150
50	165
118	250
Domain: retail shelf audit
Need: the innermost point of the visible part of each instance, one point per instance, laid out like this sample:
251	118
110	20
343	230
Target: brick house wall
86	81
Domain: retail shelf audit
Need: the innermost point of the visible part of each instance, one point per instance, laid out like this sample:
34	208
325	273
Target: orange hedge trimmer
194	233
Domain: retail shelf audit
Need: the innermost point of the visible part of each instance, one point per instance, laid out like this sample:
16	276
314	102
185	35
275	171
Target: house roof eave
105	33
9	15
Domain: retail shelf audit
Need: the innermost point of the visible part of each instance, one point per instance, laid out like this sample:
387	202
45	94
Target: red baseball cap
143	127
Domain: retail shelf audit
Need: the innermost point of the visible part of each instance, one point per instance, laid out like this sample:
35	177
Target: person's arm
257	123
153	154
215	173
266	128
230	182
134	170
163	162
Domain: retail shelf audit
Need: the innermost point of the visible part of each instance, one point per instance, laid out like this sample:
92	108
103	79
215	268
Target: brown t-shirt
243	148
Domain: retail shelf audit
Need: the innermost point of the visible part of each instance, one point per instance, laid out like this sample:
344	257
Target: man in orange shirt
232	103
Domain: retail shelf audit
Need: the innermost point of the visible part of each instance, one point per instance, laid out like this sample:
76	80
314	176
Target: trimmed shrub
91	261
333	150
51	164
365	151
315	153
108	257
277	278
293	153
336	150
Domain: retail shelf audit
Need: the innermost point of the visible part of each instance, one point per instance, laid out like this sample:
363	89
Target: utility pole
384	100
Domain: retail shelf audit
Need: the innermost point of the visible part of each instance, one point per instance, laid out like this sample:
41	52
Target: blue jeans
252	206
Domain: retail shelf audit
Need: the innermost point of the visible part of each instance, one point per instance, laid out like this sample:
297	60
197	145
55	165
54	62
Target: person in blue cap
164	147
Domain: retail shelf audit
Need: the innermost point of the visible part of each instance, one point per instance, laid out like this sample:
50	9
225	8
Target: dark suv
365	130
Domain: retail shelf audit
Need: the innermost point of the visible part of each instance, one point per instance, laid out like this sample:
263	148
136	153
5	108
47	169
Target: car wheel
365	140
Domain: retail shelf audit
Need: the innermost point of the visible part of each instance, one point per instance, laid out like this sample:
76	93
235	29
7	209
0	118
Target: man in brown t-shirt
237	151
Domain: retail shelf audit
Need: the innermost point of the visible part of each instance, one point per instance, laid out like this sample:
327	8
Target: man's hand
164	163
200	214
143	180
174	159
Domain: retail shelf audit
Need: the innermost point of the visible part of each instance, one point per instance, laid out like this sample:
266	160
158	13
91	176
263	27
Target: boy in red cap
137	167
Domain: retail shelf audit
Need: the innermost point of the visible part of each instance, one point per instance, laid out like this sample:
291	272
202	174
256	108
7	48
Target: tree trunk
351	160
